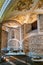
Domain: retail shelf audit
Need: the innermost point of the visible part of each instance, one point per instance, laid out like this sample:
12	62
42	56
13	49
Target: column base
12	53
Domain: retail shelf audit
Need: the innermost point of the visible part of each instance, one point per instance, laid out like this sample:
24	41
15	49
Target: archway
1	24
12	38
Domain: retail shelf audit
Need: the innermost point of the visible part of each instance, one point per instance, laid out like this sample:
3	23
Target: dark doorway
34	25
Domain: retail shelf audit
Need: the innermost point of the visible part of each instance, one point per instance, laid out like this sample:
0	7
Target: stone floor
19	60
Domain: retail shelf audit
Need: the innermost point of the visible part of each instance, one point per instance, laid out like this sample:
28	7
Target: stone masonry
35	41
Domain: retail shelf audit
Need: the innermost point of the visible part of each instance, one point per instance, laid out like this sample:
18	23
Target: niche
34	25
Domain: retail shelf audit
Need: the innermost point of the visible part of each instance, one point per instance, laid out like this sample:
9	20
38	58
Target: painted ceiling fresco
11	6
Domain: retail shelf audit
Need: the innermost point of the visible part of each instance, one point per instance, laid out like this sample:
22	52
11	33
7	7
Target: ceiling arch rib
1	3
8	8
4	7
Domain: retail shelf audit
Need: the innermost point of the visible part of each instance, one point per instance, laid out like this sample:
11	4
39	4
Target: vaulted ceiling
20	9
1	3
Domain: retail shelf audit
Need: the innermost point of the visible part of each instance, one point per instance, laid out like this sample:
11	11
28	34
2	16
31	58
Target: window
13	33
34	25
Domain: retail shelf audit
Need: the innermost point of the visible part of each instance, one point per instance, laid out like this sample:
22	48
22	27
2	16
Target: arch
11	41
8	21
14	39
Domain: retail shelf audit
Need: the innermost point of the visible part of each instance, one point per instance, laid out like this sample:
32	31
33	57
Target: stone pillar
9	37
27	29
20	38
40	22
38	25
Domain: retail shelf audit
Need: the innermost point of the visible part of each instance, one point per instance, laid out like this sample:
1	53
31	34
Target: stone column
9	37
20	39
38	25
27	29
